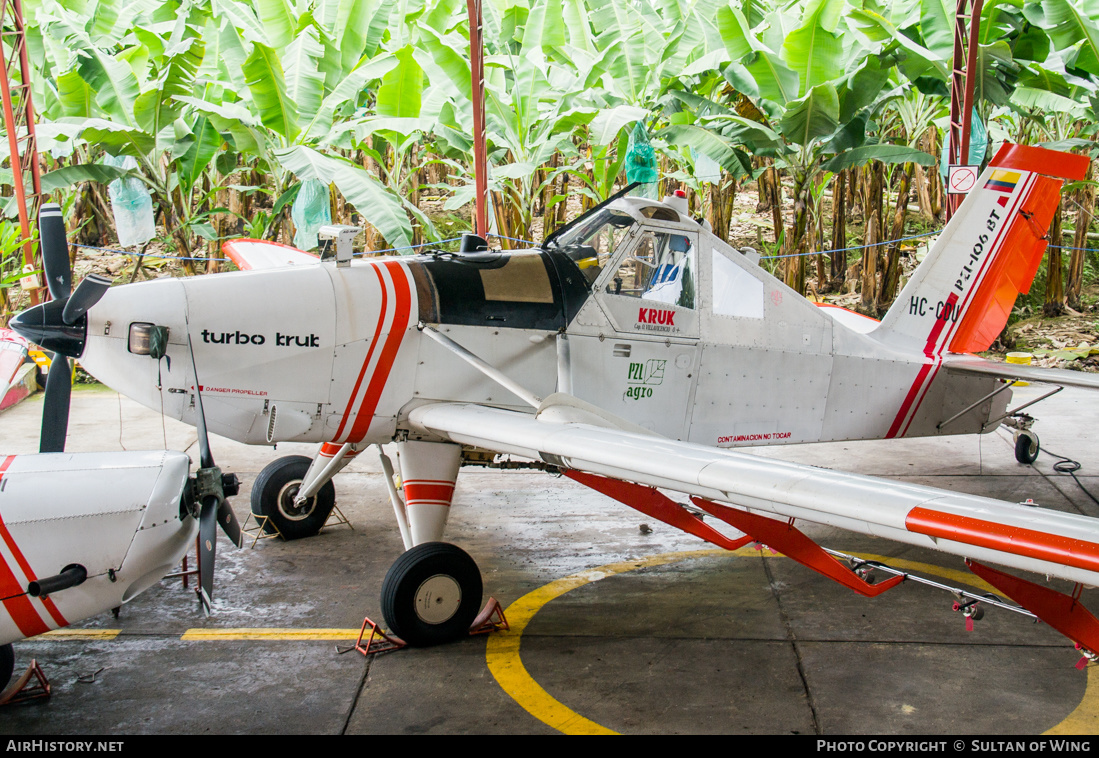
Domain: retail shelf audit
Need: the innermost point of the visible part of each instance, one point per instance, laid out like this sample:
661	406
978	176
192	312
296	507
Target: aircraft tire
431	594
273	496
1026	447
7	665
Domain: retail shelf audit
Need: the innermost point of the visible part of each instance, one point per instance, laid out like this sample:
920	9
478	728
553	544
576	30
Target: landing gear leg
432	593
428	473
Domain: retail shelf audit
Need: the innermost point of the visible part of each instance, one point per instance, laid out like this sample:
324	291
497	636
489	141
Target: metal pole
480	158
18	108
961	89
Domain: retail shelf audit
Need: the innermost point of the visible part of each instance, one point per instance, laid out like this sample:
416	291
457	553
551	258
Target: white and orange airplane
629	352
82	533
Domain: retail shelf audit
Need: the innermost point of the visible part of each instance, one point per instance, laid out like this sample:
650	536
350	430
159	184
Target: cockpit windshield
592	243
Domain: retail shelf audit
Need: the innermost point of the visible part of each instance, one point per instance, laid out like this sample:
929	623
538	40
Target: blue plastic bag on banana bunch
131	204
641	161
311	211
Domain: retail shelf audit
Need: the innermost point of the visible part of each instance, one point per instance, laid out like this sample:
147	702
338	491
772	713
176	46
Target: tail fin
960	297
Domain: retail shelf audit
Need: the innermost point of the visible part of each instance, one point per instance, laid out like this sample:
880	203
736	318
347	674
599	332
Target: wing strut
1065	613
483	366
783	537
651	502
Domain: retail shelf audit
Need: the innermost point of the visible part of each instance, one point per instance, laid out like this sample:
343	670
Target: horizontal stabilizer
250	254
975	366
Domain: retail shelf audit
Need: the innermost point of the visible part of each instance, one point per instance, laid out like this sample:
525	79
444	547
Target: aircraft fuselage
665	326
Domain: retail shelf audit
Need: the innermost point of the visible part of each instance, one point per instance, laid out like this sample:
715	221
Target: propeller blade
207	547
229	524
55	407
87	294
215	509
55	251
205	456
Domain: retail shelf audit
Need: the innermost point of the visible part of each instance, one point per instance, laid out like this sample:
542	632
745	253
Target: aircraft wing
980	528
973	365
250	254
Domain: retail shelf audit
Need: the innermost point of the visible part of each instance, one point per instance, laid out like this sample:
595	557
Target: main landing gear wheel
431	594
273	496
1026	447
7	665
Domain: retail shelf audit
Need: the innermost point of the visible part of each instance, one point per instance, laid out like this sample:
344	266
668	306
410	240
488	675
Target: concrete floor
614	627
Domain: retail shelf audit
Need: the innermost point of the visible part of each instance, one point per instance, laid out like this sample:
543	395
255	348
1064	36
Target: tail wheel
1026	447
431	594
273	496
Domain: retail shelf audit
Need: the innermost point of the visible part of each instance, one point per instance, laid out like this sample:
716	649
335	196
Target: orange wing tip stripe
1042	161
1005	538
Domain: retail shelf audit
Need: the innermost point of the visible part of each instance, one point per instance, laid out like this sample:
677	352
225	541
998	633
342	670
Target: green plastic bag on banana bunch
131	204
311	211
641	161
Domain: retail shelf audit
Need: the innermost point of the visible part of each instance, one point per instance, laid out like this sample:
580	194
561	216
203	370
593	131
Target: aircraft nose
44	325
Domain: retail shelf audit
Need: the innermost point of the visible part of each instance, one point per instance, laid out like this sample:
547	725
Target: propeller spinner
60	324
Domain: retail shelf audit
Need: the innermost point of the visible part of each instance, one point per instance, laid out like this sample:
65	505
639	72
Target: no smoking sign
961	179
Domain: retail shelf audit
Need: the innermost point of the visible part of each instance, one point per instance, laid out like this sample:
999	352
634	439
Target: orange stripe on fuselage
1016	540
402	313
369	353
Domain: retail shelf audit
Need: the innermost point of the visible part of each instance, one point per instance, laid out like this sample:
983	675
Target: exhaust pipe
70	576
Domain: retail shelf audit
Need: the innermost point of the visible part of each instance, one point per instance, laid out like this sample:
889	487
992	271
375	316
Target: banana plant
818	92
108	107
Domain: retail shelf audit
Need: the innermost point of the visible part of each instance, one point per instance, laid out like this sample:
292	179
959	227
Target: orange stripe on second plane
16	602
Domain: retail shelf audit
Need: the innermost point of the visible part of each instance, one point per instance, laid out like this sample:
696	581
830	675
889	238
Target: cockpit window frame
630	242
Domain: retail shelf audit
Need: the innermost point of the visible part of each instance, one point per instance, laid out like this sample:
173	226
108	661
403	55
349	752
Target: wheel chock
485	623
22	689
383	644
336	518
258	530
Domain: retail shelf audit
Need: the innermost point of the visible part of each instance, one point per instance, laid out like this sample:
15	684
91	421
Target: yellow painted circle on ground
503	659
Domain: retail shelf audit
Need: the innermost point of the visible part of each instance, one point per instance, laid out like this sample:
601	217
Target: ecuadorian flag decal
1003	181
